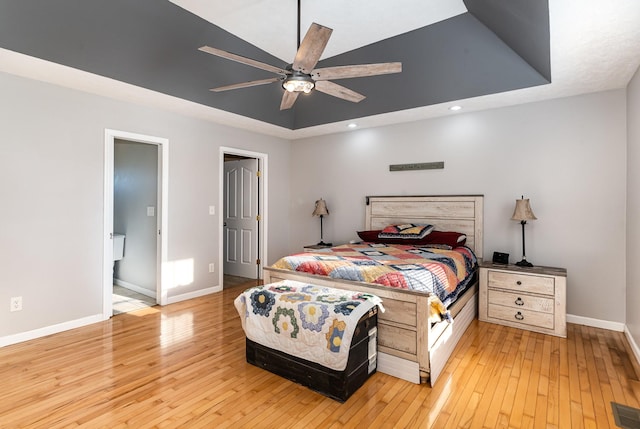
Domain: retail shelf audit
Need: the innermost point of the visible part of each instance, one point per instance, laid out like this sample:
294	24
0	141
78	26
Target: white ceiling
595	46
271	25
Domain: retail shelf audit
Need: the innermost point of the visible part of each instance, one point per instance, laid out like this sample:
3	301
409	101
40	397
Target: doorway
136	215
243	220
135	225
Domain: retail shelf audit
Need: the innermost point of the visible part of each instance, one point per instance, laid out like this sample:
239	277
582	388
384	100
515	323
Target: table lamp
321	210
523	213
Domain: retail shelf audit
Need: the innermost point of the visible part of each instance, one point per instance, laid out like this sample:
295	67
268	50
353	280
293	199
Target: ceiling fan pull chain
298	47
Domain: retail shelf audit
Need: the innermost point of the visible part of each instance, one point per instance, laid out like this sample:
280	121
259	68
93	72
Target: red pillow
450	238
369	236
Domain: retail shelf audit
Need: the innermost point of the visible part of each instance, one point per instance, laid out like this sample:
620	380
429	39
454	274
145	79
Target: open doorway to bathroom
135	225
135	222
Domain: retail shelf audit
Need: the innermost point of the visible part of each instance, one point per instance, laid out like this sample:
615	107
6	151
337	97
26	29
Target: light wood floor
183	366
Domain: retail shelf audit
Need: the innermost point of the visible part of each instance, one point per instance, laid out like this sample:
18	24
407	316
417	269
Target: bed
409	346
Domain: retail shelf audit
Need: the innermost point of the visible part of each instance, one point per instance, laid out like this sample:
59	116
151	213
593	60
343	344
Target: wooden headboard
460	213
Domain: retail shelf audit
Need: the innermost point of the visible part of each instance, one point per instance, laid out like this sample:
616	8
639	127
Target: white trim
398	367
263	159
595	323
48	330
139	289
195	294
163	212
107	233
632	343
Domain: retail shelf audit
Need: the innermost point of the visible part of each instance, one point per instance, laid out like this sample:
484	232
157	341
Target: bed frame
409	347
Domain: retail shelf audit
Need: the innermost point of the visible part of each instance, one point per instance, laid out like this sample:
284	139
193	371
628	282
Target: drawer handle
518	282
519	316
519	301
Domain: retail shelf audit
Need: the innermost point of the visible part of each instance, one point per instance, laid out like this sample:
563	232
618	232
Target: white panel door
241	218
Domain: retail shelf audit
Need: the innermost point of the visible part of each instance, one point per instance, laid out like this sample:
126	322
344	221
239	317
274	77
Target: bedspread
444	272
310	322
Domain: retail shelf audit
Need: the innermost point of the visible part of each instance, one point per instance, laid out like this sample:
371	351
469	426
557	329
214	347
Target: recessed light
455	108
352	125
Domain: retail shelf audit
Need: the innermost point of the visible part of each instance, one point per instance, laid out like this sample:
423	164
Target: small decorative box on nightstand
532	298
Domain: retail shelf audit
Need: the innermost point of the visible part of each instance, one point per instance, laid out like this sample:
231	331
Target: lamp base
524	263
322	243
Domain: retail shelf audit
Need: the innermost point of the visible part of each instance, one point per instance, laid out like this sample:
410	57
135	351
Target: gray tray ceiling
497	46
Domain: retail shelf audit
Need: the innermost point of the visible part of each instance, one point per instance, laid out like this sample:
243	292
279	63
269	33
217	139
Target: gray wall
135	189
51	210
567	155
633	208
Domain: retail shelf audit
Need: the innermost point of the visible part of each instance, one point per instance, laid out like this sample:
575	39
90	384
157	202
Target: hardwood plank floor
183	366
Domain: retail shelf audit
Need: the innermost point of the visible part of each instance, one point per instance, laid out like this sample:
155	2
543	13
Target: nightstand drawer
522	282
521	301
521	316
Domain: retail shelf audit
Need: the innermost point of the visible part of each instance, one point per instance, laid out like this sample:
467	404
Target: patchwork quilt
440	270
310	322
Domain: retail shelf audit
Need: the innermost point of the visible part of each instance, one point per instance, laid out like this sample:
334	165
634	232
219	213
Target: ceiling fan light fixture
298	83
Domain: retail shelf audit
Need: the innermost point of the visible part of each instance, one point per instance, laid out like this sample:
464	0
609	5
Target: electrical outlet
212	210
212	267
15	303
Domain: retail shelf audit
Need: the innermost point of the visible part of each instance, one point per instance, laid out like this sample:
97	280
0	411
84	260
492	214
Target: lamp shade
321	208
523	211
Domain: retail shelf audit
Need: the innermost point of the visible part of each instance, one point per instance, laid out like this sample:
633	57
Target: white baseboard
195	294
596	323
48	330
136	288
398	367
632	343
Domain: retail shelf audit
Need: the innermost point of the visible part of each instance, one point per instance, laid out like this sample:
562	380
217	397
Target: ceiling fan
301	76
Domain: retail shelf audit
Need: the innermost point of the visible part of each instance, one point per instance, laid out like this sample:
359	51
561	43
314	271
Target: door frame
110	137
262	207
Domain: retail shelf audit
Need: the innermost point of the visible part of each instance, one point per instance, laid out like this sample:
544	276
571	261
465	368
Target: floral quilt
307	321
440	270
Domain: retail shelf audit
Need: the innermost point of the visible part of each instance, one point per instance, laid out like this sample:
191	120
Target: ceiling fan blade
288	98
245	84
242	60
311	48
339	91
361	70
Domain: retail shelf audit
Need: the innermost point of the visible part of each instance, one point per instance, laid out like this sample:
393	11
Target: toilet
118	247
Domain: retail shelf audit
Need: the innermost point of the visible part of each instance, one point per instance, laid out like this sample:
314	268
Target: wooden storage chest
338	385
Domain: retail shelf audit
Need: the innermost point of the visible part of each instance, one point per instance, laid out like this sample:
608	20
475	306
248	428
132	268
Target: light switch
212	210
151	211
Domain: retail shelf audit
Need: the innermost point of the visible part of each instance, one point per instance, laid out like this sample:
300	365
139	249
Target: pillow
406	231
369	236
450	238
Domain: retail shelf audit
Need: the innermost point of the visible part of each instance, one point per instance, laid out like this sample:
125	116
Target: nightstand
532	298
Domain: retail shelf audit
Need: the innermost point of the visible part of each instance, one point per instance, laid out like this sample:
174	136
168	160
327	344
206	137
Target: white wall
566	155
633	208
51	183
